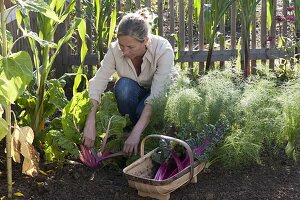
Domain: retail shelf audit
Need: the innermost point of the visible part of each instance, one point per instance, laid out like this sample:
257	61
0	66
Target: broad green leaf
82	34
84	49
57	5
15	74
3	128
56	94
280	41
41	7
197	8
74	115
269	14
64	39
68	10
42	42
113	22
77	80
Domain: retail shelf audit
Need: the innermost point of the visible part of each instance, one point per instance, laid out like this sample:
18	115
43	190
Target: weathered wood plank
226	55
233	25
253	43
273	32
181	24
160	18
201	35
172	22
90	59
200	56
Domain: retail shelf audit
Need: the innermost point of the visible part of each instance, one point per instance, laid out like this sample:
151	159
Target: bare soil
276	178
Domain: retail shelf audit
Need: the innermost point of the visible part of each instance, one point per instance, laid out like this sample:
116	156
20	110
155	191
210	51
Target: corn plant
15	74
49	15
248	9
102	15
213	17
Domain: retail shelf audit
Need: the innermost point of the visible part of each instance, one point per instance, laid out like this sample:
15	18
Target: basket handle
183	143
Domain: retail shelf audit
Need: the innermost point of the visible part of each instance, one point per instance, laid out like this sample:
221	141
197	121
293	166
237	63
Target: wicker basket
139	173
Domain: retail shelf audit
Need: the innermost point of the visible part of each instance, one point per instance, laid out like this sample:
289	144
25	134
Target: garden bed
276	178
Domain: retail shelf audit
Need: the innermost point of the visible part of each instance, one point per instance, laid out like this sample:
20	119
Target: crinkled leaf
56	94
15	74
22	139
52	149
115	145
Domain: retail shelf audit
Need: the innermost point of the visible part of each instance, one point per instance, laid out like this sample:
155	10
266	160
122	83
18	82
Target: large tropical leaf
15	74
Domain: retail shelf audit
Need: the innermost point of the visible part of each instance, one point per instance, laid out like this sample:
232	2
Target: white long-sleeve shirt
157	69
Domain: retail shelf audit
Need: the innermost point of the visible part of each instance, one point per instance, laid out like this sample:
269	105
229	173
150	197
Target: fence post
201	35
273	32
263	25
160	18
297	10
61	60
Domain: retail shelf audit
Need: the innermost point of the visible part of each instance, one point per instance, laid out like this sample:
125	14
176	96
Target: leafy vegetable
92	159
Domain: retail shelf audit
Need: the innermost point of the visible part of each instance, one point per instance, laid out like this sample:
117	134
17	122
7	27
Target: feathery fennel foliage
291	127
259	122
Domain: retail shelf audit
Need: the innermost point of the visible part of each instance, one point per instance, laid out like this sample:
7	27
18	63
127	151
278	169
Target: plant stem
7	108
39	109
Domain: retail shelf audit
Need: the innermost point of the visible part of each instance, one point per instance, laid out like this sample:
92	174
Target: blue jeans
130	98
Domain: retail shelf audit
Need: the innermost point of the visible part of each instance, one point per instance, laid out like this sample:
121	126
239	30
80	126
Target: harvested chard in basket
172	159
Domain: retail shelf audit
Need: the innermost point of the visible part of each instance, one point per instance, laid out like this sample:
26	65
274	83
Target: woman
145	65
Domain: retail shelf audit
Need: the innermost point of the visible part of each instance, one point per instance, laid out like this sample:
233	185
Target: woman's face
131	47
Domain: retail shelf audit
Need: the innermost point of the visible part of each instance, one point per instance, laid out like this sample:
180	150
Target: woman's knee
125	88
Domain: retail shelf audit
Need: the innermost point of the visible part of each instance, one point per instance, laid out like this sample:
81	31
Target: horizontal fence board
226	55
200	56
90	59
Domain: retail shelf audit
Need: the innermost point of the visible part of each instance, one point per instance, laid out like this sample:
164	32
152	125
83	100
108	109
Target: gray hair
135	25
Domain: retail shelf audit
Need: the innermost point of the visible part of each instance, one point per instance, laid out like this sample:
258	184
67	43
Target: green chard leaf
74	115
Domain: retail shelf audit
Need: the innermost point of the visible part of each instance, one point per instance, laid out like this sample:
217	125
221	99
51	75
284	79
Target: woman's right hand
89	131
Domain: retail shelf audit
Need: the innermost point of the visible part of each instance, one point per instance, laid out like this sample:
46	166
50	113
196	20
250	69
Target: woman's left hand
131	144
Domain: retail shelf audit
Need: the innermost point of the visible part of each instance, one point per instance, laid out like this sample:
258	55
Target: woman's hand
131	144
89	131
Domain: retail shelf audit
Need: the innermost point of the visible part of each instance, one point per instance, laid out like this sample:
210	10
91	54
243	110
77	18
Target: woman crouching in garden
145	65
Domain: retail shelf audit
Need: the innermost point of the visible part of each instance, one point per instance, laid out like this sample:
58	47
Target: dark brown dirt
277	178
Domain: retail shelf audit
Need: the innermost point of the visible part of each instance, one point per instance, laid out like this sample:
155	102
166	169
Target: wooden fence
177	17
